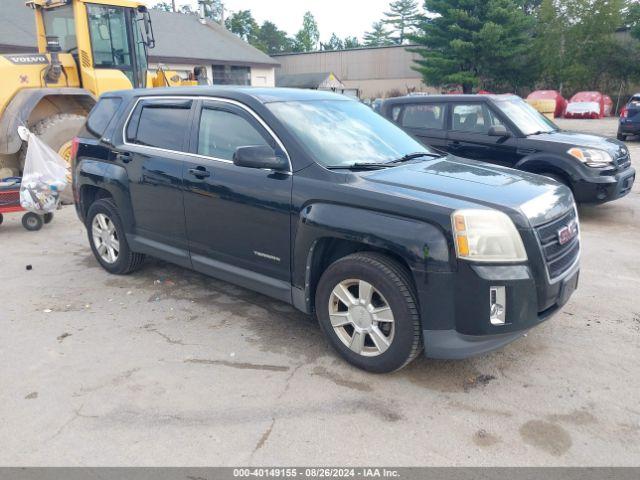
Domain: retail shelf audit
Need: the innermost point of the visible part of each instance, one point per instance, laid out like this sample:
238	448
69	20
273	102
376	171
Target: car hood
473	184
575	139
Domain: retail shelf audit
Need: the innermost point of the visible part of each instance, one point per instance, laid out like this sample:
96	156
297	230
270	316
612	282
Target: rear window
160	125
424	116
102	114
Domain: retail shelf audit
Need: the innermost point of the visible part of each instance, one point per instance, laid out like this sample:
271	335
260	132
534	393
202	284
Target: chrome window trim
205	98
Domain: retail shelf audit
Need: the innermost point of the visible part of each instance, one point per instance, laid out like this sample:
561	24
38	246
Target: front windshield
527	119
343	132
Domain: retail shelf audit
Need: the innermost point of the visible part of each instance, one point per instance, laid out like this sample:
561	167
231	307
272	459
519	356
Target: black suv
314	199
505	130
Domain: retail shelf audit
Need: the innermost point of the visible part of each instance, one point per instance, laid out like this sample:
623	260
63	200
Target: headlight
486	236
591	157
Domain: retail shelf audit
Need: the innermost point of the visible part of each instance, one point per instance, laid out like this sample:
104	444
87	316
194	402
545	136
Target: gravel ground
168	367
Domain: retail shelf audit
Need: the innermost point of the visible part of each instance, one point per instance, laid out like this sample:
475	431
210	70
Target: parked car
505	130
589	105
629	123
548	101
313	199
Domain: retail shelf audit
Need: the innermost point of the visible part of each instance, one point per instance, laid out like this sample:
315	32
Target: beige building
374	72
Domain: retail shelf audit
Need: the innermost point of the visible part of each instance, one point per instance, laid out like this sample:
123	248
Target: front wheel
366	306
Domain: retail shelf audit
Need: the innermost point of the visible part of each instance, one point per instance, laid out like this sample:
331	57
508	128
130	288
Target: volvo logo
568	233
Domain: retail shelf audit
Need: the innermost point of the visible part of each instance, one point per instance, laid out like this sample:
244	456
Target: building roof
17	27
180	38
326	80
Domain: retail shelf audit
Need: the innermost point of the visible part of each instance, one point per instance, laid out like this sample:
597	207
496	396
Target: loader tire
57	131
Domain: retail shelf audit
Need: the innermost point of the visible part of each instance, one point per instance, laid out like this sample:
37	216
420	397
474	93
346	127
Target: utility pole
173	5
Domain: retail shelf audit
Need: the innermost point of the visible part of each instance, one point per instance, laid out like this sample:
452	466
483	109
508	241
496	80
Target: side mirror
499	131
259	156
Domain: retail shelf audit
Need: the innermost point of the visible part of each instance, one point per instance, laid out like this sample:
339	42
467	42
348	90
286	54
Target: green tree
633	19
306	40
213	10
550	45
351	42
378	36
270	39
243	24
334	43
403	17
475	43
163	7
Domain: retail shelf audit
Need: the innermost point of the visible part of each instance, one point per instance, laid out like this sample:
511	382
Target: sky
344	17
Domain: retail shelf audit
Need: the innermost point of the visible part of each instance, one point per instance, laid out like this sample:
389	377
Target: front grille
558	258
623	161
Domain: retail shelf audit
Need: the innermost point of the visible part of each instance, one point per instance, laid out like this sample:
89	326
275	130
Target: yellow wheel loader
85	48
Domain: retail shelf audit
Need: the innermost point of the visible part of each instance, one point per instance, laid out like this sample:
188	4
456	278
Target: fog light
497	305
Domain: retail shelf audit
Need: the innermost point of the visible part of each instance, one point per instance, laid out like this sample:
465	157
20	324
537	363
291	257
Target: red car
589	105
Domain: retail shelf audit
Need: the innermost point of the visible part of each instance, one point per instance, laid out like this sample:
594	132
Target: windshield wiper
540	132
359	166
413	156
379	165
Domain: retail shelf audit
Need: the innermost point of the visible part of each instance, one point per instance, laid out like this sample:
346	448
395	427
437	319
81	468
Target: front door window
112	39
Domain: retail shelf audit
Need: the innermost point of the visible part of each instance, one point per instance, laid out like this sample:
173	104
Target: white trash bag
44	177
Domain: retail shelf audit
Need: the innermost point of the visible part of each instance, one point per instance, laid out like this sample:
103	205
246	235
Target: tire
48	217
122	260
392	287
1	218
32	221
621	137
56	131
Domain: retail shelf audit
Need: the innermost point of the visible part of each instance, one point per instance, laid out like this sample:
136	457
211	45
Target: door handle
123	157
199	172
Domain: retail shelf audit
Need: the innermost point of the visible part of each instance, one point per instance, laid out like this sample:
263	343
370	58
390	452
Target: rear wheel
57	131
107	239
32	221
622	137
367	308
1	218
48	217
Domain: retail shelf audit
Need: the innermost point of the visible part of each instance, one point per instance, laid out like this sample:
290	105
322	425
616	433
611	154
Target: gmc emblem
568	233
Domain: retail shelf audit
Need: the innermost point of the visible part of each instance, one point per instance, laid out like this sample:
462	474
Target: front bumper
455	307
606	188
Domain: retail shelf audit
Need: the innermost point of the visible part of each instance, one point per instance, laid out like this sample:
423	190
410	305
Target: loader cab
108	40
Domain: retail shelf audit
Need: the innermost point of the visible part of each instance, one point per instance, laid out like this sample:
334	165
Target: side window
473	118
222	131
160	126
102	114
424	116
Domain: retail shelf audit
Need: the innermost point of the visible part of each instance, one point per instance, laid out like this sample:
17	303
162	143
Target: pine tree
403	18
378	36
306	40
482	43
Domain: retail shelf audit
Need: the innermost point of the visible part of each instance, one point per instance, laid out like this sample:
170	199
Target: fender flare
23	104
550	163
423	246
108	177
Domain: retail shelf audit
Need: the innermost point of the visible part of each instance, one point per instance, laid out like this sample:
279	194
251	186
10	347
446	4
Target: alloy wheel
105	238
361	317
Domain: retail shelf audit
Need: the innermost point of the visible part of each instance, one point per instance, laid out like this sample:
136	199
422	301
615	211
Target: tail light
624	113
75	143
